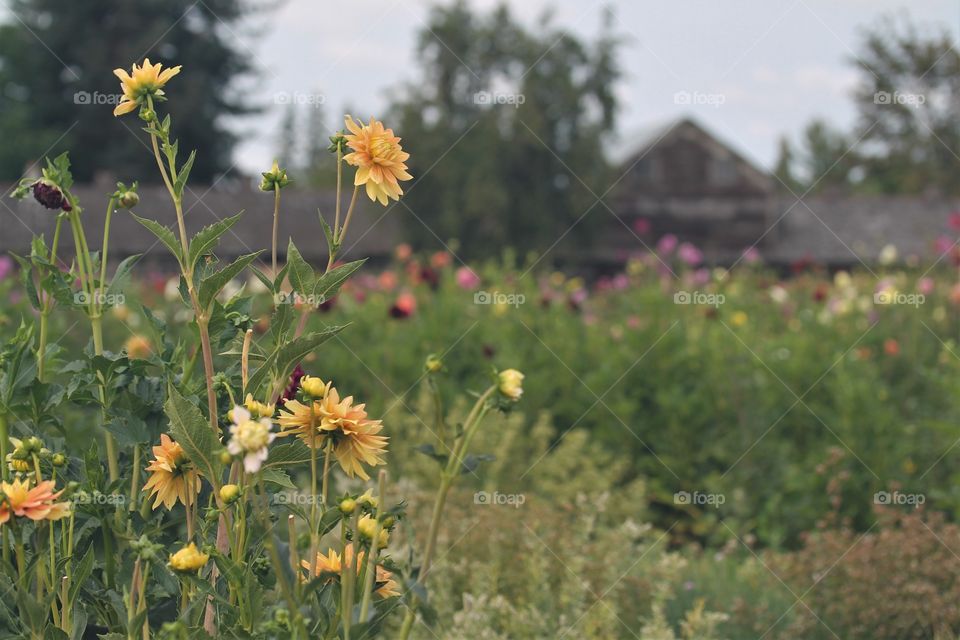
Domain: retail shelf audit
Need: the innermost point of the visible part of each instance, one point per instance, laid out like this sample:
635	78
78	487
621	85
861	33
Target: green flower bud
348	506
59	460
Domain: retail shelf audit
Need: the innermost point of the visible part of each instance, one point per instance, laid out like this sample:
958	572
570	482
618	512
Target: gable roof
645	140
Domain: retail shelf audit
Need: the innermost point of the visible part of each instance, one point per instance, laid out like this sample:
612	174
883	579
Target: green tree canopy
57	88
505	131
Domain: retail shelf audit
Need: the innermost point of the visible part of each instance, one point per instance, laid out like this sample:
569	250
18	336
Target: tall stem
369	576
276	224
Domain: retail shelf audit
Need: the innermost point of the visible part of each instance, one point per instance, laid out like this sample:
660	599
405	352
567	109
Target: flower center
383	149
252	435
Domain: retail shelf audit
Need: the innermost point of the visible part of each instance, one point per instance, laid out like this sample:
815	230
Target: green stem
276	224
103	257
338	237
369	577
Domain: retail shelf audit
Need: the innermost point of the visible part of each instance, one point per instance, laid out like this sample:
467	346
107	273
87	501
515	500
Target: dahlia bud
126	198
313	386
50	196
225	457
147	115
33	444
59	460
229	493
348	506
433	364
188	560
511	384
338	143
367	501
276	178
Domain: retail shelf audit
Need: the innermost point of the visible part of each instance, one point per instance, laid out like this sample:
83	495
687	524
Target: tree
786	163
56	56
506	131
909	110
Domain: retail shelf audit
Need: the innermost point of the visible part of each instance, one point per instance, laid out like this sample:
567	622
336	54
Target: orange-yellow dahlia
332	563
146	80
38	503
379	159
174	477
356	438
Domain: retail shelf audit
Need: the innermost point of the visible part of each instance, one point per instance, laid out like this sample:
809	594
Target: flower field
422	448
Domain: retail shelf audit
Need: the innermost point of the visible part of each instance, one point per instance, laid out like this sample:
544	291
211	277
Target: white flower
251	438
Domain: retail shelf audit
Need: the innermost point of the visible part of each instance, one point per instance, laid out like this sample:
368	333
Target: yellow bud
188	560
347	506
229	493
313	386
511	384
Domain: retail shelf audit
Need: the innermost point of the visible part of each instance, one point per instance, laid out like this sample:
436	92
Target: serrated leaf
208	237
120	275
279	478
287	454
287	355
184	174
329	283
163	234
302	278
193	432
211	285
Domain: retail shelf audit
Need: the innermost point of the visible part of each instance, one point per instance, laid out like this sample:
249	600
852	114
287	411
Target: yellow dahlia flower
314	386
143	81
332	563
38	503
257	408
379	159
173	477
367	527
188	560
356	438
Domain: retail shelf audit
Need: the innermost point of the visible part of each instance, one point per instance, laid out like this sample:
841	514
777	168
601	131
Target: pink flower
955	220
690	254
751	255
925	286
641	226
701	277
467	279
667	244
6	267
942	245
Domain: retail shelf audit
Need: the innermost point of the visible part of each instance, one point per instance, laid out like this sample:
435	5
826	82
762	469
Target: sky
750	70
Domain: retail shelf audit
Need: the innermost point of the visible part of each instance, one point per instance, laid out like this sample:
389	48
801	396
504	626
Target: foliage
56	61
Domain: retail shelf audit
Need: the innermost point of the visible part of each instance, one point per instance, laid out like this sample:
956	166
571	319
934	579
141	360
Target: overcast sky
773	64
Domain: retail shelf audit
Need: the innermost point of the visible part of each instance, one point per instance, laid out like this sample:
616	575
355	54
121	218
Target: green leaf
189	428
121	274
287	454
208	237
163	234
328	232
302	278
215	282
184	173
287	355
329	283
279	478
